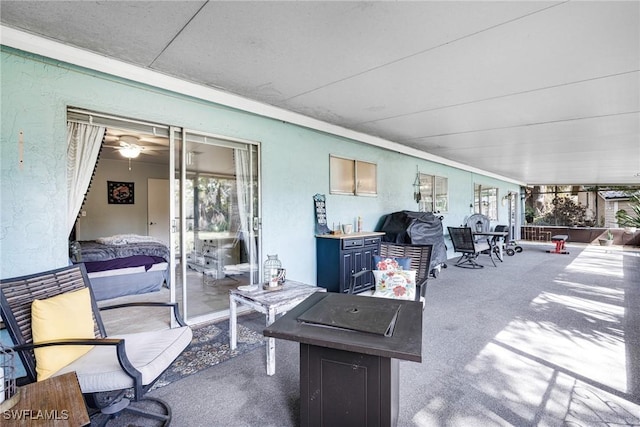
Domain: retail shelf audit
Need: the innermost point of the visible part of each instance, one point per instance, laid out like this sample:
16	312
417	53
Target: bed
124	265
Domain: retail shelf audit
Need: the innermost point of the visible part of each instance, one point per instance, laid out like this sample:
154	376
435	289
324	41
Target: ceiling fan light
130	152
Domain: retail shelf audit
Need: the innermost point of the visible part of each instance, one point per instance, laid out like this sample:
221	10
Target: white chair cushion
149	352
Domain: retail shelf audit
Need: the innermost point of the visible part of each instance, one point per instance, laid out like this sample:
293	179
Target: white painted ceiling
538	92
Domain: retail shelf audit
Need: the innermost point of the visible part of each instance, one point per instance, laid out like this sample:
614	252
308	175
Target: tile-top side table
271	303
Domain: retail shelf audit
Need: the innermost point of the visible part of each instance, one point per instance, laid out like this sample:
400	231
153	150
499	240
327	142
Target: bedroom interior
123	238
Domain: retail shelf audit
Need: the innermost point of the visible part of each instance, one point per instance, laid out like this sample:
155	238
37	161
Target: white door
158	202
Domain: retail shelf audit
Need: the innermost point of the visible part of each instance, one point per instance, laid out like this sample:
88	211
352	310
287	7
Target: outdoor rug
210	346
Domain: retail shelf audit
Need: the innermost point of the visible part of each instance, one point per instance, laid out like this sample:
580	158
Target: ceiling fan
130	146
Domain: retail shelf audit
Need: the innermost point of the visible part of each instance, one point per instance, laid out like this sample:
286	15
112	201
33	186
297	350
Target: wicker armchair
113	367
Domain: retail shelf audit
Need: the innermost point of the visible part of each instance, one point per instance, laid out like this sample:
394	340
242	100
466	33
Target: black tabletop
376	326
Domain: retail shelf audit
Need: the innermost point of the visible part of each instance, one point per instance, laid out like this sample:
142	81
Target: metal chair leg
468	261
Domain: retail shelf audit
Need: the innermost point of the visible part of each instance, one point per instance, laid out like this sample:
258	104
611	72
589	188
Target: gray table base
343	388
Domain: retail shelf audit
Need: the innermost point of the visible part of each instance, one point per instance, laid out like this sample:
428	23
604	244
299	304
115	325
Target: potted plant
607	240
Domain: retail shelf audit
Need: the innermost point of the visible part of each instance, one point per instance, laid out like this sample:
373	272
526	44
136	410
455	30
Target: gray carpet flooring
541	340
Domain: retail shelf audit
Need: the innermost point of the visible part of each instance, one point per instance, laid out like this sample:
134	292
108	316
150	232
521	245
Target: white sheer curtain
83	146
245	203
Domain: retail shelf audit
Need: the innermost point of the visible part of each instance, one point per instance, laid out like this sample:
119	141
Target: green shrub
565	212
630	220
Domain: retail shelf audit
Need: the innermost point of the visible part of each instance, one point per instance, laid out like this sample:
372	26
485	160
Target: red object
559	241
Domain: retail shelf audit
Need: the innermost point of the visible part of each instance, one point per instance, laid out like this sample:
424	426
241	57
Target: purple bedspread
116	263
93	251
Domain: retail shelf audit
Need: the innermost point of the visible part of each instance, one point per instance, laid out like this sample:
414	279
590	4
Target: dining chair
464	243
419	260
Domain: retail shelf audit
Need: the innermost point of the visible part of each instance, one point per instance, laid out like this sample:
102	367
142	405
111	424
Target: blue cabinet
339	256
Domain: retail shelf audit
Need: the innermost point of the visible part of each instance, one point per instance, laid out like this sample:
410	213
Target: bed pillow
395	284
66	315
391	263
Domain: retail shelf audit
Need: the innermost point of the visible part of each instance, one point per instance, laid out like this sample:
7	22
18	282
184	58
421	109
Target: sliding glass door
215	216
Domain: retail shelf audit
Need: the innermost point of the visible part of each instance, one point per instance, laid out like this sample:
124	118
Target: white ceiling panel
606	146
534	140
523	55
284	49
133	31
538	92
586	99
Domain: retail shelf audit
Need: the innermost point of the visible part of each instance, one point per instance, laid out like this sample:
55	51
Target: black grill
421	228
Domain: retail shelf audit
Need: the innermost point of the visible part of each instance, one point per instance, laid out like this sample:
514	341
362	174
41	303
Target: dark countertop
344	312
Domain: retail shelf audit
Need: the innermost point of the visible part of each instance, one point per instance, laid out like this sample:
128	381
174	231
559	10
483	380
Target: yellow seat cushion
66	315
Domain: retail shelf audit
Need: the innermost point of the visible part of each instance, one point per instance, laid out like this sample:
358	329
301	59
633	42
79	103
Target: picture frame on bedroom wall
120	193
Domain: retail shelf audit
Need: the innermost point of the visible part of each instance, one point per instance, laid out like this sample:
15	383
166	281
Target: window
486	201
351	177
434	194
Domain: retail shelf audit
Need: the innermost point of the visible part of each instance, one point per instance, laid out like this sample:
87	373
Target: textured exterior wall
295	164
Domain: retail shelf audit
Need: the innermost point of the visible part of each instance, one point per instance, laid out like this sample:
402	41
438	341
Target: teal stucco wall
36	92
